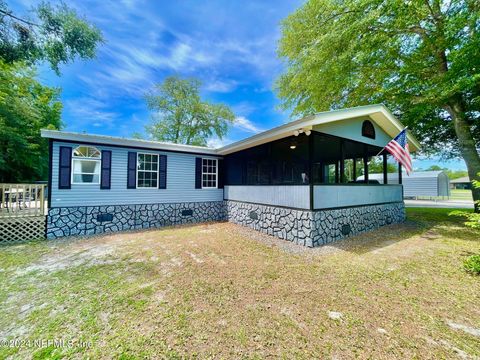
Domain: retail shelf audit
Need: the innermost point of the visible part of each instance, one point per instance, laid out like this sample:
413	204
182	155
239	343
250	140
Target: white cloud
244	124
134	69
244	108
90	111
216	143
143	46
220	86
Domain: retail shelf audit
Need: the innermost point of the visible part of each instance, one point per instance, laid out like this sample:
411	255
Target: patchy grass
219	290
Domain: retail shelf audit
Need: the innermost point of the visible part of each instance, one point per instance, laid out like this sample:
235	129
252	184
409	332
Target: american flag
398	147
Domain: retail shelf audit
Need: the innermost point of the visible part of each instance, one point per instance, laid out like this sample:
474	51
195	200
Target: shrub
472	264
473	219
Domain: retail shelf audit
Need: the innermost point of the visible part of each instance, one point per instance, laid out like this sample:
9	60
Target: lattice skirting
16	230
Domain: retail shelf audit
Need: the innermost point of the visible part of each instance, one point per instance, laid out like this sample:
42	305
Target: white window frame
157	171
84	158
208	173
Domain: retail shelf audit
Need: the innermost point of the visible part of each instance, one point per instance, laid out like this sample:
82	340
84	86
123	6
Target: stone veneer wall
304	227
84	220
314	228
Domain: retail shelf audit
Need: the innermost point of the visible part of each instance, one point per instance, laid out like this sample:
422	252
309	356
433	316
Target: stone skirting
304	227
314	228
90	220
286	223
335	224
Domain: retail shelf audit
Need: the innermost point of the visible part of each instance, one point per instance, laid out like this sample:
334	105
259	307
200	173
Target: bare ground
223	291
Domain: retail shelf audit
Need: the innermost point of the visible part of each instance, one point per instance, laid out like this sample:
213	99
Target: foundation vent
346	229
104	217
188	212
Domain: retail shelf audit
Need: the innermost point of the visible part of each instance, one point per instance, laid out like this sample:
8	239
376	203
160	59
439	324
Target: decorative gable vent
368	130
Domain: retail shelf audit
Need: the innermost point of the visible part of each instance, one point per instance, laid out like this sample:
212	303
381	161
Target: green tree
420	58
56	35
375	166
452	174
455	174
25	107
181	116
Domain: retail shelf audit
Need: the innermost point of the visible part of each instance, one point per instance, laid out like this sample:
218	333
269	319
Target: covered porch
311	171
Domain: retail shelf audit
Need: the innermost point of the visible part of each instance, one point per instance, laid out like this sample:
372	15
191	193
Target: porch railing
22	200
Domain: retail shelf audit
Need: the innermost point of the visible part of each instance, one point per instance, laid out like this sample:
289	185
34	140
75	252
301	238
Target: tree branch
427	2
337	15
9	14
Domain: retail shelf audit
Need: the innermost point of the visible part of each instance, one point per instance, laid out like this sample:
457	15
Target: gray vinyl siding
296	196
338	196
180	182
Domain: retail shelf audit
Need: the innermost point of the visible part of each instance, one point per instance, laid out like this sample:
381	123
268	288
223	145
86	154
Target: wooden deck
22	212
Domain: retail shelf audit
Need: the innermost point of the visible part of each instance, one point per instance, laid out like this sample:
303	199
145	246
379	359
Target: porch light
299	131
293	145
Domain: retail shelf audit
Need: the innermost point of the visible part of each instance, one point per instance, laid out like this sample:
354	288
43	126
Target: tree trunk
467	145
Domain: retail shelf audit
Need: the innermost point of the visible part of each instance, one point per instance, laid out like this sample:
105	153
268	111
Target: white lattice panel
22	229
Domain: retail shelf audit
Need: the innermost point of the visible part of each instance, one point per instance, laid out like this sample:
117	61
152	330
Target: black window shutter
132	170
65	168
106	173
198	173
162	171
220	174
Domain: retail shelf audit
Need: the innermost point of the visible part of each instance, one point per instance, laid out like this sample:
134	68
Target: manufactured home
297	181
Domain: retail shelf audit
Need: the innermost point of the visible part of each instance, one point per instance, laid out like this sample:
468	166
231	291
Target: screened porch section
309	172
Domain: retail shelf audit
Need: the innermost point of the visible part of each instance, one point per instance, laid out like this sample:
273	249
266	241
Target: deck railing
22	200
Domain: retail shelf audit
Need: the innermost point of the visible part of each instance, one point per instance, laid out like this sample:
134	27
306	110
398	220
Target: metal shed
421	183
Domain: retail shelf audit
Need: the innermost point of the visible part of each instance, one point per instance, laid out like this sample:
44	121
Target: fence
21	200
22	212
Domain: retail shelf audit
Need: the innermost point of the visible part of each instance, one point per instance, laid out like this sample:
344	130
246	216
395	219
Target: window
209	173
86	165
147	170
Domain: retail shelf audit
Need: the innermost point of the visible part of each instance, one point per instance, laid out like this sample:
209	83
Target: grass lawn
219	290
459	194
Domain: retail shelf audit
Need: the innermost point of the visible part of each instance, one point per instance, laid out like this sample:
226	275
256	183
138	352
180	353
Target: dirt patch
467	329
67	258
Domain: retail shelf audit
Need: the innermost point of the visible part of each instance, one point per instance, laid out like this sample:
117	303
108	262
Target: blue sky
229	45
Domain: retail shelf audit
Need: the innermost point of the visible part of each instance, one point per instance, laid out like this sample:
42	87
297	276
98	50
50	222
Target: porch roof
377	113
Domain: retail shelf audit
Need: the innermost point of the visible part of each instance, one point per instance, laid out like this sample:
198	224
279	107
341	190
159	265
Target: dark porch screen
334	160
282	162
